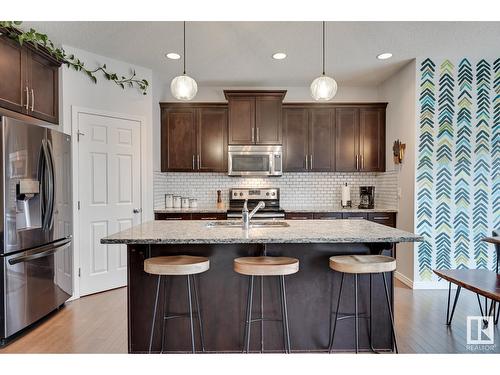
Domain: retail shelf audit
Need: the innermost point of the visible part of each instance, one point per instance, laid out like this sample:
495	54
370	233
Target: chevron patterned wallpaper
458	163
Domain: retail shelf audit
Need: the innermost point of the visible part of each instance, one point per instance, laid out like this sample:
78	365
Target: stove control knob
241	194
235	194
273	194
267	194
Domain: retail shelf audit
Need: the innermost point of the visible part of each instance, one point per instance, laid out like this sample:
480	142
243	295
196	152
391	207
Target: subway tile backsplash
298	190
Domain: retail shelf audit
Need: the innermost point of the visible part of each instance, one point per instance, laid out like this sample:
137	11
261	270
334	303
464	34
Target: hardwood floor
98	324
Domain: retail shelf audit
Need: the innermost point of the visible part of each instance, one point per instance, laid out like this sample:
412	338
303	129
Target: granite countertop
200	210
299	231
338	209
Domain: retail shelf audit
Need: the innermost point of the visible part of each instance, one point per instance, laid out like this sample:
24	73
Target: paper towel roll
346	194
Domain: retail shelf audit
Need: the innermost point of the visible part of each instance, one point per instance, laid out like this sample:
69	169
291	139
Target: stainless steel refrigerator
36	259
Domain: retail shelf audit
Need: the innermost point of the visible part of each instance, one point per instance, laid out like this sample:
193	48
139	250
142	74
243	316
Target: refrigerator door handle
47	219
42	251
52	197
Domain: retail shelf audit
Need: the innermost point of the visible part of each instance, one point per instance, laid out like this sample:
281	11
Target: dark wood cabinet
172	216
193	138
384	218
360	139
308	139
43	78
178	139
254	117
372	139
13	80
30	81
212	140
295	139
321	140
190	216
298	215
327	215
346	139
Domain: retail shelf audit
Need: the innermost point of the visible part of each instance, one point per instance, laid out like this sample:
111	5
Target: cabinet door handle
32	100
258	137
381	218
306	161
311	161
173	218
208	218
27	105
193	162
357	162
198	160
362	162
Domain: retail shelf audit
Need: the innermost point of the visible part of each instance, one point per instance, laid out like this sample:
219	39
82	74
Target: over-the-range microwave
255	161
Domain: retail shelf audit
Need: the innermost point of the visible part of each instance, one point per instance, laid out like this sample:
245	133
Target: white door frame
146	175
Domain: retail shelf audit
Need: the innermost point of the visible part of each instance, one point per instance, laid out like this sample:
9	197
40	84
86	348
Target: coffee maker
366	197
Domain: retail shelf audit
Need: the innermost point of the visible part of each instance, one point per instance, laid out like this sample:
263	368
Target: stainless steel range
270	196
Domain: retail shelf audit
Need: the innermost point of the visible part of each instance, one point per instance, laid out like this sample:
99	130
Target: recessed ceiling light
173	56
384	56
279	56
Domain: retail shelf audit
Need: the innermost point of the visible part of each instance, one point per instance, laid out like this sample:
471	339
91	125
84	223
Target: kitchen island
311	293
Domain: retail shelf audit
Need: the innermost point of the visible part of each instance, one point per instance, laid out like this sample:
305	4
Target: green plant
12	30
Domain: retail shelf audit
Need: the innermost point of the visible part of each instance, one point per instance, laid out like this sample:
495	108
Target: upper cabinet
30	81
308	139
193	137
360	138
255	117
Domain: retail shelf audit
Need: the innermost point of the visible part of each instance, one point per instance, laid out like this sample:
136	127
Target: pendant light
184	87
323	88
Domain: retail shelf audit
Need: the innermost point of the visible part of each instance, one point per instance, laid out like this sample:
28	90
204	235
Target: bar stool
356	265
266	266
184	265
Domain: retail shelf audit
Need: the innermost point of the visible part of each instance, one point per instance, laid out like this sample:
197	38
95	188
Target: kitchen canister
177	201
193	203
169	200
185	202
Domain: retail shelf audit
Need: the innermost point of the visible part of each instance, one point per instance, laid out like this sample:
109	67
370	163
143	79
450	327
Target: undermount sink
239	224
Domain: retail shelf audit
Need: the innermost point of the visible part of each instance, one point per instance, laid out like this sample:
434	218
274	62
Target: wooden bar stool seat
176	265
266	266
362	263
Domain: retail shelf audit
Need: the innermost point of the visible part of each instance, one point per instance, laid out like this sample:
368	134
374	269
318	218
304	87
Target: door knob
137	210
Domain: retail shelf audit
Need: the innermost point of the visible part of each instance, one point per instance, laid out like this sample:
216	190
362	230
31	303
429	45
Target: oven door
34	285
254	160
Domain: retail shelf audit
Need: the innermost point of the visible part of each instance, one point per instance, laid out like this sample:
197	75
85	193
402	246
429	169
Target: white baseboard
441	284
404	279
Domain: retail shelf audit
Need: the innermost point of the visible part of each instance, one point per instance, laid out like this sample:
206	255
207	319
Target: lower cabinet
190	216
299	215
385	218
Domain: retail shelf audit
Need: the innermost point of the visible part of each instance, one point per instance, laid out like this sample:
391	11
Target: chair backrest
496	233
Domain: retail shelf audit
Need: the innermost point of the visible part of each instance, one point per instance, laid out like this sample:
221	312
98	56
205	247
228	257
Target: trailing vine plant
12	30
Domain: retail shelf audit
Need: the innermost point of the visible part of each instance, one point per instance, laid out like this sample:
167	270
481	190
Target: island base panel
310	294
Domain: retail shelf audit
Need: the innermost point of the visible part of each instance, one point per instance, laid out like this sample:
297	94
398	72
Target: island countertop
298	231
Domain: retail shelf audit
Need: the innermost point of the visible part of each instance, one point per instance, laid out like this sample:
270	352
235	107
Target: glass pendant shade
183	87
323	88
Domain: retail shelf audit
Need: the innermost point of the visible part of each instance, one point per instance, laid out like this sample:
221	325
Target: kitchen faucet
246	216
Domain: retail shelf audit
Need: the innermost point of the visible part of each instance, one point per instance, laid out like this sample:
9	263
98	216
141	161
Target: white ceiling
239	53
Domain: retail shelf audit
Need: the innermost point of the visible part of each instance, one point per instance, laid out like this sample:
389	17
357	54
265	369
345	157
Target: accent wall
457	164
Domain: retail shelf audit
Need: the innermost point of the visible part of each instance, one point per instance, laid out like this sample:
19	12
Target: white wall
161	93
78	90
400	91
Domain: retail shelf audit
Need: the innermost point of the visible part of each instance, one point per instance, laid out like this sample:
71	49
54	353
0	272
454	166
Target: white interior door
109	195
